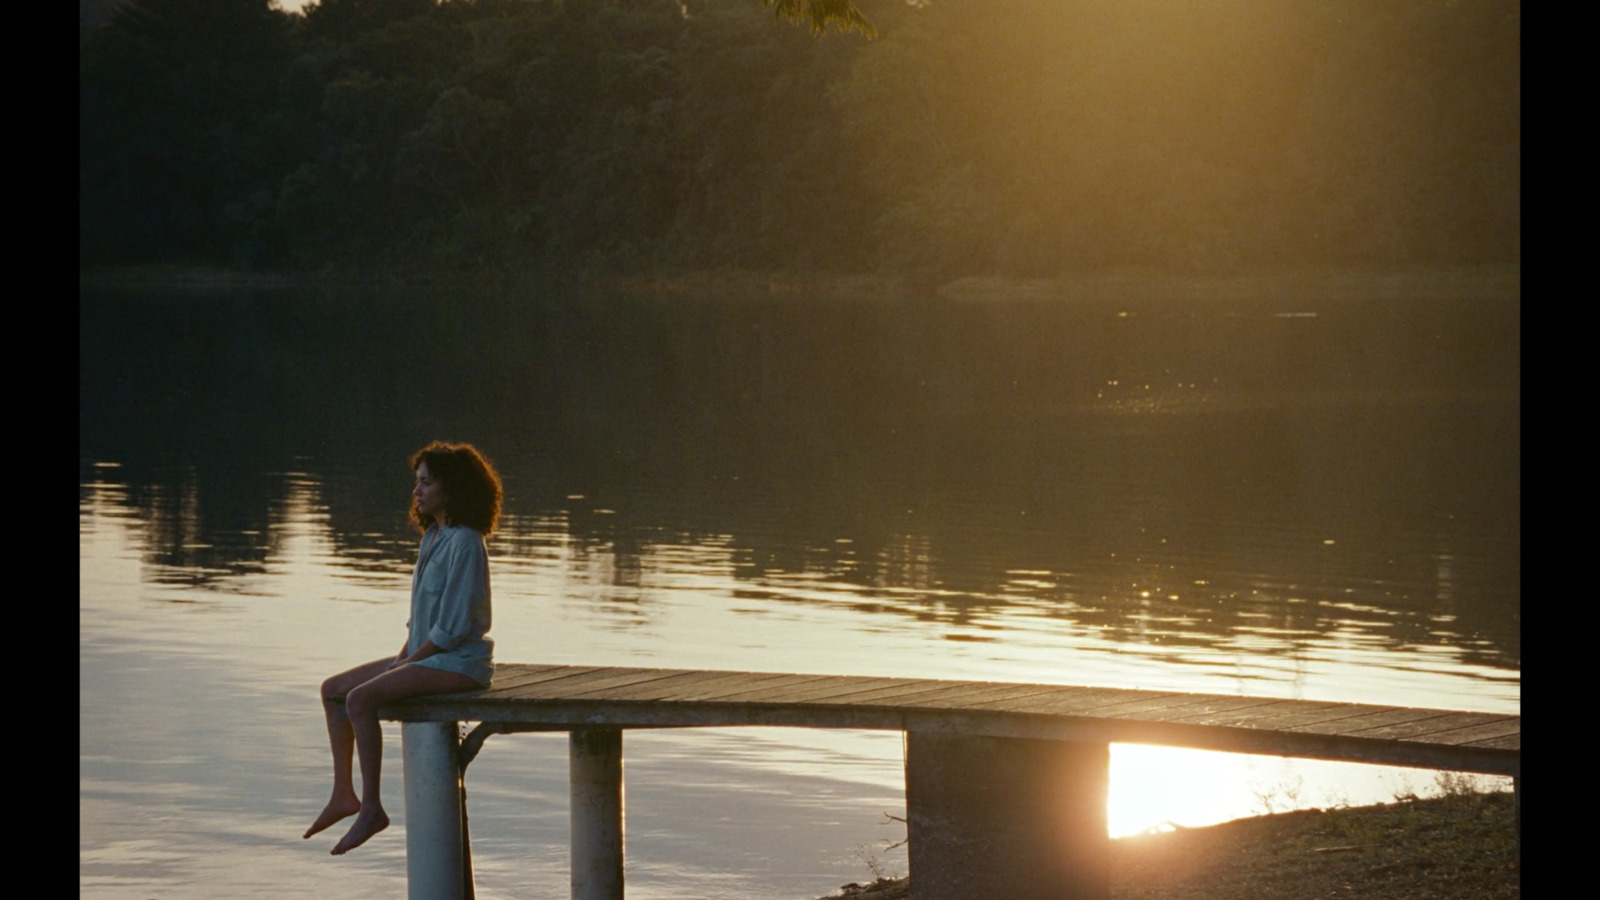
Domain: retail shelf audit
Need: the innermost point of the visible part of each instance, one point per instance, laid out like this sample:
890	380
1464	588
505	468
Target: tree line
1024	137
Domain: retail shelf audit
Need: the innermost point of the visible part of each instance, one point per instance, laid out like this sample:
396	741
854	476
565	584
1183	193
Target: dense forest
952	137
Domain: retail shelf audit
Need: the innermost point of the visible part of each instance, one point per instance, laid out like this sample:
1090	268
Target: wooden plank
570	673
1362	718
1020	694
968	695
557	696
1327	747
911	694
1059	696
794	683
1202	708
538	667
510	669
1420	726
1506	742
1294	714
505	676
504	667
900	694
1470	733
723	690
524	680
1155	708
987	697
1074	701
830	689
636	693
1130	703
581	713
603	681
1225	715
689	682
554	670
565	678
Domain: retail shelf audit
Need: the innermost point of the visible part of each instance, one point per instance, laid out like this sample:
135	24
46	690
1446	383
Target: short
475	662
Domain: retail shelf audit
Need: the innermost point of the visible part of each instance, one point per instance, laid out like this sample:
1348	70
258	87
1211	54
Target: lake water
1270	498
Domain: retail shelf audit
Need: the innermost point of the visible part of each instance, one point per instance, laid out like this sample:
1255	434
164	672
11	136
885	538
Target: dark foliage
1013	136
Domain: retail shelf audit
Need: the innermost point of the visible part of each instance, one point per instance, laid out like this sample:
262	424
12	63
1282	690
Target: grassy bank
1459	847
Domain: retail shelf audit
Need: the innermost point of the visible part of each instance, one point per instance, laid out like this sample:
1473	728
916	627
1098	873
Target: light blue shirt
450	602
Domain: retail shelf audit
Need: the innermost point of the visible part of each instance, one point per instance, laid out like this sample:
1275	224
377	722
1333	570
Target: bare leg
362	705
341	739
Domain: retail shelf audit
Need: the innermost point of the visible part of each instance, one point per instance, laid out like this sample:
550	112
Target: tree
178	120
819	14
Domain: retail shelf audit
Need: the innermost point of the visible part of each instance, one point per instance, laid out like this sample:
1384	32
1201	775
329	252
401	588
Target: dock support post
1007	817
595	763
435	855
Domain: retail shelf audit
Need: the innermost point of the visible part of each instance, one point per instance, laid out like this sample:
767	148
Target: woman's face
429	495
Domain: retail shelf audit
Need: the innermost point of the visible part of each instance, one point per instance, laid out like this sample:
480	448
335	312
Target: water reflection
1208	497
1131	588
1353	472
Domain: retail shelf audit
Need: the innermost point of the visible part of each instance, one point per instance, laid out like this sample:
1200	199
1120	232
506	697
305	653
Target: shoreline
1501	281
1460	846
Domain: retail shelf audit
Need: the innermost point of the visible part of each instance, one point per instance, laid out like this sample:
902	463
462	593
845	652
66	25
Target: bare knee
359	703
333	688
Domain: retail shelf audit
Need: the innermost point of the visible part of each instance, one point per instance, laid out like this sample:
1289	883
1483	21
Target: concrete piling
1019	818
595	764
435	847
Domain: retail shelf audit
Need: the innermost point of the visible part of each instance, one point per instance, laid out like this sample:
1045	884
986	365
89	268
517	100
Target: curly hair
471	486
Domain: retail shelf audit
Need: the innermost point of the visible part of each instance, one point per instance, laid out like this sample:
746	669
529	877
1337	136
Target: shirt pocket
433	579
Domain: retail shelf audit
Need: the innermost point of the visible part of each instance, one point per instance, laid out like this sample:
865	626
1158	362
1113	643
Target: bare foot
366	825
337	808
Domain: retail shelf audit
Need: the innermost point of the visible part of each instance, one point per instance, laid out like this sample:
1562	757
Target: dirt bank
1449	848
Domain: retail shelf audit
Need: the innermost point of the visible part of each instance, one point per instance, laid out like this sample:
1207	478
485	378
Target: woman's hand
426	650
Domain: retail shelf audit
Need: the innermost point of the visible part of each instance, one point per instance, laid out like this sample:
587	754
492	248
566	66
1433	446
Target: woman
455	504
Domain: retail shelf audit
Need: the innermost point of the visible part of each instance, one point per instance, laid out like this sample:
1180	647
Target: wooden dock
1005	782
